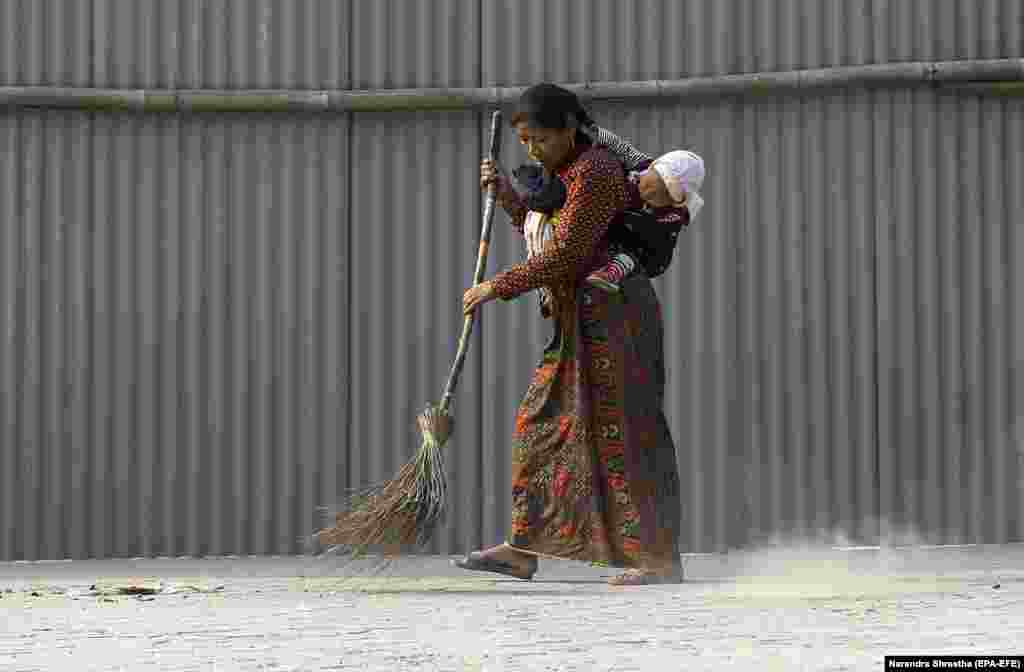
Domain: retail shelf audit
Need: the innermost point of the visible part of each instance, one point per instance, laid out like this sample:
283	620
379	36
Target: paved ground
782	610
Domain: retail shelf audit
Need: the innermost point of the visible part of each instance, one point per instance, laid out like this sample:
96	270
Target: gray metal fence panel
1013	433
175	359
405	43
400	43
414	228
948	314
176	43
612	40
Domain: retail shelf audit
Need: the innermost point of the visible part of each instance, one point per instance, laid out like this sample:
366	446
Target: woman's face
551	147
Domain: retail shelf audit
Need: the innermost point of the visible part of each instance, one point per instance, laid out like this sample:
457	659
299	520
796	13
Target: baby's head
673	180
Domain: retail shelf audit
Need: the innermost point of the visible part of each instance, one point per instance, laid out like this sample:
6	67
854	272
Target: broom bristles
401	514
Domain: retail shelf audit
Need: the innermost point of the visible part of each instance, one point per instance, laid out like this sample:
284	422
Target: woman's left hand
478	295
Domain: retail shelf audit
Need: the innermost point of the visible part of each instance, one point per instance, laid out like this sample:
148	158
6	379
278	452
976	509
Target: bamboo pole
979	77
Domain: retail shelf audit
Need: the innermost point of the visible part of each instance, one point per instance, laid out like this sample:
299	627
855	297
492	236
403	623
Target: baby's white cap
683	174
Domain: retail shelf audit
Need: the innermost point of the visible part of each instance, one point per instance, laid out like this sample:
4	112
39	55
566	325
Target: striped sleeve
631	157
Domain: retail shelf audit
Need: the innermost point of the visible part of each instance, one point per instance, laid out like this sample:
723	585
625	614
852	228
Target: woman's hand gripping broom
405	512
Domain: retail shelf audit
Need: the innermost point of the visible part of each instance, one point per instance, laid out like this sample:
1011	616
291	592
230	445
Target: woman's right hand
490	174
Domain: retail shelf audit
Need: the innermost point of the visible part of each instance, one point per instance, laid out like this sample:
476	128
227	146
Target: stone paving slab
795	609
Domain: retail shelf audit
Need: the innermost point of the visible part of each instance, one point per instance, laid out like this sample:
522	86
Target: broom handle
481	267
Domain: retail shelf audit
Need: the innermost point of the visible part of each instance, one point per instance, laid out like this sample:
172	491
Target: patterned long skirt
593	463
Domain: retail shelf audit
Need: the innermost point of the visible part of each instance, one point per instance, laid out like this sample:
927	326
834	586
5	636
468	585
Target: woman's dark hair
551	106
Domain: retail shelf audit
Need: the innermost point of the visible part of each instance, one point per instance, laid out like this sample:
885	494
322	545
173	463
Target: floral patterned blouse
595	196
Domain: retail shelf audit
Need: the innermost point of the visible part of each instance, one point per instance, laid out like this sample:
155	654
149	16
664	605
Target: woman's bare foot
646	577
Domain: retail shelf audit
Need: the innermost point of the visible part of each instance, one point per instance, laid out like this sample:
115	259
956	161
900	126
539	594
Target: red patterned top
595	195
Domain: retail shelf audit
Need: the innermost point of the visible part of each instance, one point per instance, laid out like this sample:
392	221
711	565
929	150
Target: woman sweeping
593	463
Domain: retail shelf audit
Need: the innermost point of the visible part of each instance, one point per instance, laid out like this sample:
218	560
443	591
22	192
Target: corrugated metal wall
403	43
950	315
578	40
215	324
175	297
414	222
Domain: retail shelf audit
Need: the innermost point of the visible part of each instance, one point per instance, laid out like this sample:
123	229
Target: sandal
475	562
640	577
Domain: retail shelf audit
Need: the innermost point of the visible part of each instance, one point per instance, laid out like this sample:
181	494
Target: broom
405	512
